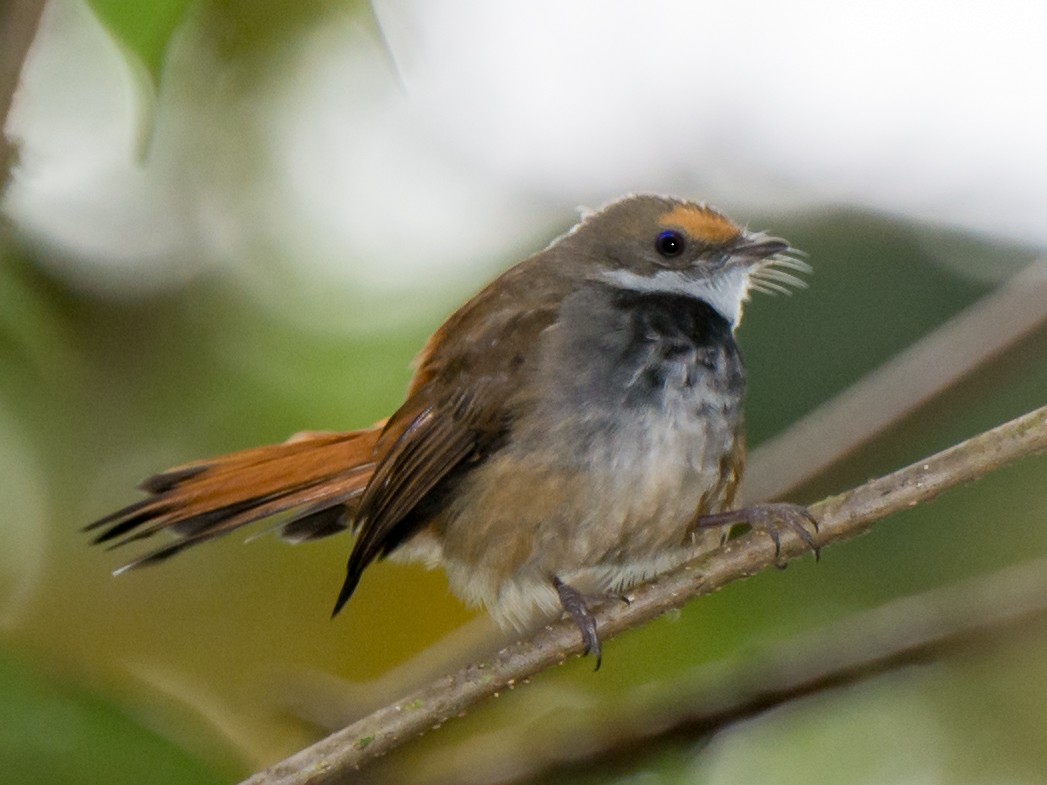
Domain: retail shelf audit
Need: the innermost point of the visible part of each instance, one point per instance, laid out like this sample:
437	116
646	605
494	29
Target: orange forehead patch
701	223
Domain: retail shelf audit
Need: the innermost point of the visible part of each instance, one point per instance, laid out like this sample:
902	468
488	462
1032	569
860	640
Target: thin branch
841	517
908	631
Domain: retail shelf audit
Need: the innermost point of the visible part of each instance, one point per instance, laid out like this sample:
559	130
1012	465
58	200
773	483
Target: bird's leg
771	519
574	603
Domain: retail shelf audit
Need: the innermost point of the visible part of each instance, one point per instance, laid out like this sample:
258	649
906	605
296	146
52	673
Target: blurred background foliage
230	220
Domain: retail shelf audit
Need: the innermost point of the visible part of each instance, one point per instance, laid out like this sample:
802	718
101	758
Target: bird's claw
771	519
573	602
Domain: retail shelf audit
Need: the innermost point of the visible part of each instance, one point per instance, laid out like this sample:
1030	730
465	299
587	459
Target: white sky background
505	116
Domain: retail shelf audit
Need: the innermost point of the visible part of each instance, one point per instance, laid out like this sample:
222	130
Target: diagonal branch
841	517
1007	607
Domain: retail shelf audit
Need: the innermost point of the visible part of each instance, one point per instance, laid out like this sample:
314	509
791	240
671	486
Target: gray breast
620	362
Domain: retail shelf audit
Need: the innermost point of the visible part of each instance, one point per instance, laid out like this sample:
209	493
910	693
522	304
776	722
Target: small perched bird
575	428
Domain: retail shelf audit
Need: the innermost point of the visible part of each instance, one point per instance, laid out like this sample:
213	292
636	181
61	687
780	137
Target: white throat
726	291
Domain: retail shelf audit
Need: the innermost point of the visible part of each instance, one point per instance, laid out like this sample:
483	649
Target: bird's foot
770	519
573	602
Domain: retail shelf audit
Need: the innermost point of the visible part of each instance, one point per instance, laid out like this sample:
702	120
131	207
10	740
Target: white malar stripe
725	290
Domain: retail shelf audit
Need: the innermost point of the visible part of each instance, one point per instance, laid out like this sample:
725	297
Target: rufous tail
316	478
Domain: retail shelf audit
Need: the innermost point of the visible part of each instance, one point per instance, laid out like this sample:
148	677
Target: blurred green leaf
242	28
143	27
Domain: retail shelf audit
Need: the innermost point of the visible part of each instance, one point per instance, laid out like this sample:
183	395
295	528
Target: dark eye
670	243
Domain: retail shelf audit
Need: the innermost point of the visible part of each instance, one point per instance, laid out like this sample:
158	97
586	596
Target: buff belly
622	514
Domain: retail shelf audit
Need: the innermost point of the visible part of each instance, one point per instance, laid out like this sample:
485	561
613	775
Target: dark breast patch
618	350
674	341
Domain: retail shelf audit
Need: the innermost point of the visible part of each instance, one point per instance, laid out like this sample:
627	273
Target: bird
573	429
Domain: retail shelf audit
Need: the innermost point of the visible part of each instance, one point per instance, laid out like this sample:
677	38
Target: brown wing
459	409
318	477
433	440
